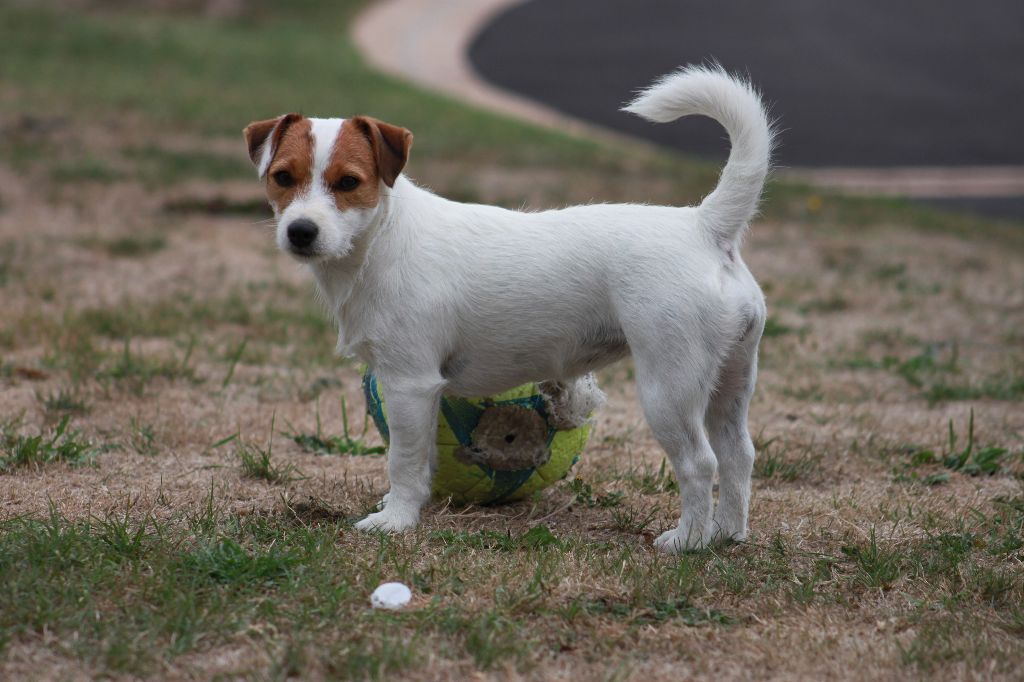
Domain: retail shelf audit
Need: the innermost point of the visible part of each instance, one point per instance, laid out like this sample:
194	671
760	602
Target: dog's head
324	177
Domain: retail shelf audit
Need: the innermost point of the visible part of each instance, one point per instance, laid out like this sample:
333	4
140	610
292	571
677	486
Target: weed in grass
142	437
584	493
539	537
76	353
345	444
233	359
632	520
226	562
649	482
970	460
138	369
877	567
60	445
804	589
773	462
256	463
63	401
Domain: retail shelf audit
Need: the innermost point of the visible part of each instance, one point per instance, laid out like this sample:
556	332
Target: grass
180	323
971	459
775	461
140	591
61	444
63	401
937	371
256	462
345	444
137	369
129	246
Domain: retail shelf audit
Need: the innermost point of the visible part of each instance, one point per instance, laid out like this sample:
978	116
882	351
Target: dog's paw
676	541
388	521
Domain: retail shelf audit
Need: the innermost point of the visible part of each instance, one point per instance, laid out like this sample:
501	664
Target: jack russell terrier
440	297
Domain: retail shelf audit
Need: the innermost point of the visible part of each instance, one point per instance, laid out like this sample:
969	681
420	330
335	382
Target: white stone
391	596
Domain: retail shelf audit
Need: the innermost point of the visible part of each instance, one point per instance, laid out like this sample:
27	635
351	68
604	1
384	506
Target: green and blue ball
496	449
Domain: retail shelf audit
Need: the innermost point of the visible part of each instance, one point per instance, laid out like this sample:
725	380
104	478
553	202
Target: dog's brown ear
391	145
257	134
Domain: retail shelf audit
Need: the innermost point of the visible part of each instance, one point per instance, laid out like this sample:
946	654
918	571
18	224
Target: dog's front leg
412	420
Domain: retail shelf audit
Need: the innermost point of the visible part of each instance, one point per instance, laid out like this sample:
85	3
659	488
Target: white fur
443	297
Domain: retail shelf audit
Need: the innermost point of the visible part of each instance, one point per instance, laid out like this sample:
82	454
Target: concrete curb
426	42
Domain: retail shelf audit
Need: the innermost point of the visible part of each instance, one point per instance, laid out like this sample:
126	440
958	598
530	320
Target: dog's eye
346	184
284	178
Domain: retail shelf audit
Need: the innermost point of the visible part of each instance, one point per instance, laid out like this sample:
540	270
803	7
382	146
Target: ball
496	449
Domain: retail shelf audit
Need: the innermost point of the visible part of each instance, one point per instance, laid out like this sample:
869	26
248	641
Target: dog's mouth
303	252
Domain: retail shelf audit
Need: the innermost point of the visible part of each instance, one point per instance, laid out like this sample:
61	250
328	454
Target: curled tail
710	91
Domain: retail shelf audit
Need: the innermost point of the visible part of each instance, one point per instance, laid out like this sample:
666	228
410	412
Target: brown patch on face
291	168
353	157
257	132
390	145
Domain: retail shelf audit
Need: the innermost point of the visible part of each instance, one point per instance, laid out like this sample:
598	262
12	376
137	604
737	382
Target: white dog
444	297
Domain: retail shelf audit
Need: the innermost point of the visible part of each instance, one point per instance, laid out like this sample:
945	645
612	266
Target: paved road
862	84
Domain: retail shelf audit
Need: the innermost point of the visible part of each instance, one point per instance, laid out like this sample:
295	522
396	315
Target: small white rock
390	596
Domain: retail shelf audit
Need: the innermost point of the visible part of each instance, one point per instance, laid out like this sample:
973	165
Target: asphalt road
861	84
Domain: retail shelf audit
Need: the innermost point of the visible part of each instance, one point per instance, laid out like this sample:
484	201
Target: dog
440	297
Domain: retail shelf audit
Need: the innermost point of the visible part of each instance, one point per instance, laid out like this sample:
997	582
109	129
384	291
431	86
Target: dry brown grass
844	299
887	326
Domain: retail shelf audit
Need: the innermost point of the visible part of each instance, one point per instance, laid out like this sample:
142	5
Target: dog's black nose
302	233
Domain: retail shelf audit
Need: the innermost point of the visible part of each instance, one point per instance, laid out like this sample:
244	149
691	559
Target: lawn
178	489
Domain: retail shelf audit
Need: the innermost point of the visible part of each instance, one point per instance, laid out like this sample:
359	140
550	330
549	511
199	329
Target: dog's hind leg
412	406
726	422
674	402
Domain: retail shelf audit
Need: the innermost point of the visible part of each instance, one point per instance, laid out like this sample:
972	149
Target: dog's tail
710	91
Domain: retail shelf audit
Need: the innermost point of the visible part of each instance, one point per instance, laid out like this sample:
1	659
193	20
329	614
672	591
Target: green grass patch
680	610
64	401
538	537
775	461
84	169
936	370
257	462
129	246
919	464
60	444
586	496
137	369
649	481
345	444
772	328
159	166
